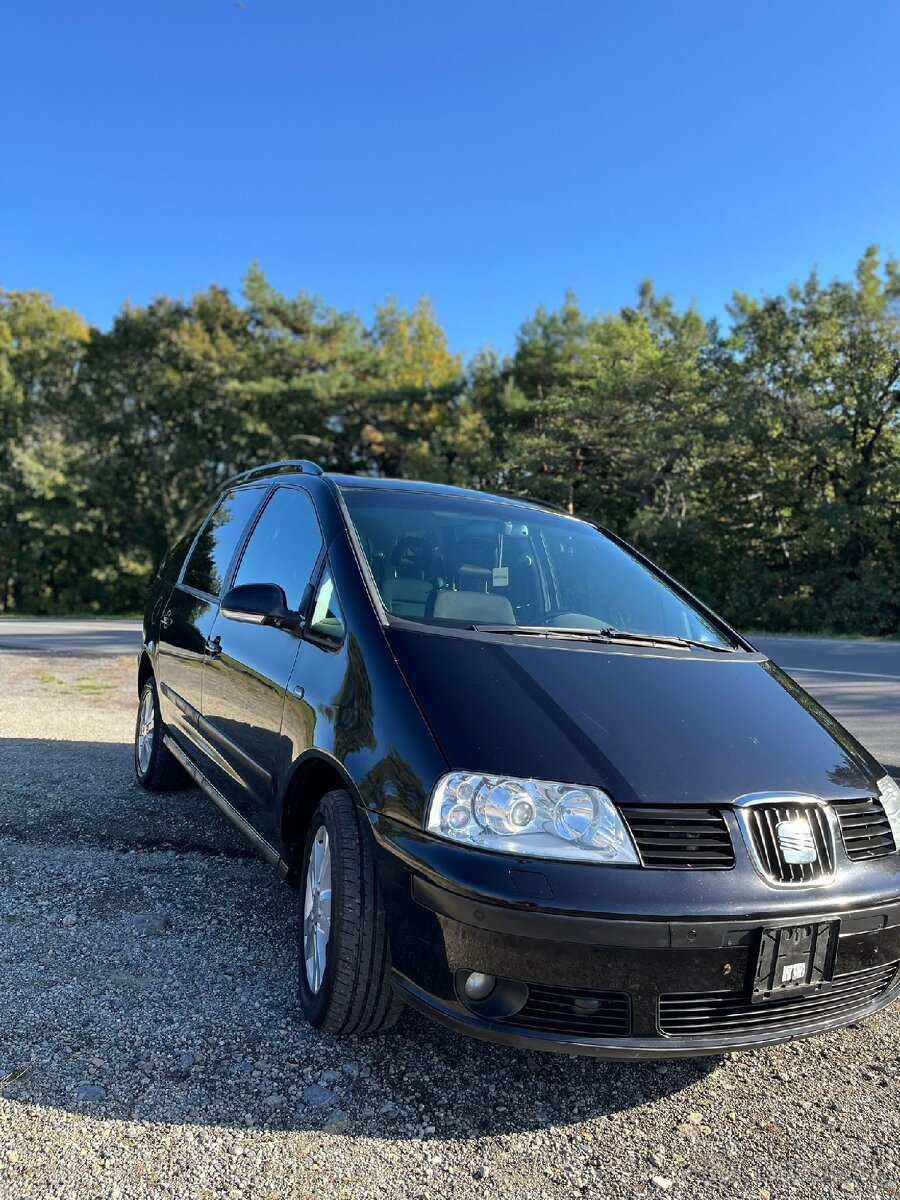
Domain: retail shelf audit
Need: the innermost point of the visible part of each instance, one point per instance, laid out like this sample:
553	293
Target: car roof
382	484
303	468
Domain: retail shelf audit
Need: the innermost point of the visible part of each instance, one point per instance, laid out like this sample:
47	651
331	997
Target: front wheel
344	953
156	768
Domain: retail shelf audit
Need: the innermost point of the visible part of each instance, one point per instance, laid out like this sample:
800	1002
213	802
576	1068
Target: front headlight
889	791
532	817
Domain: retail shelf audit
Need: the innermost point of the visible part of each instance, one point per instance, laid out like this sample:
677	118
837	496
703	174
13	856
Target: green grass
85	684
92	685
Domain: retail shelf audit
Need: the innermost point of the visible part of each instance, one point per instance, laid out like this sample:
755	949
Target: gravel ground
150	1045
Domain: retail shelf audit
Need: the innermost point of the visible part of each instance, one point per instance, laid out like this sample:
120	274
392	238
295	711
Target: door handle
166	619
213	646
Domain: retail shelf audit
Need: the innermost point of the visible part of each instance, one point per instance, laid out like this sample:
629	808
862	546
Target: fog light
479	986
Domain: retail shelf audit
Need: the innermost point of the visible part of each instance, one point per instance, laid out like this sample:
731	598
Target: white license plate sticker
793	971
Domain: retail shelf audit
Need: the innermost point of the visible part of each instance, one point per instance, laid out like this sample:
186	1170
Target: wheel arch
313	775
145	670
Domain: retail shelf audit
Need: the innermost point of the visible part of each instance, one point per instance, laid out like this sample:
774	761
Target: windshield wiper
606	634
665	639
550	631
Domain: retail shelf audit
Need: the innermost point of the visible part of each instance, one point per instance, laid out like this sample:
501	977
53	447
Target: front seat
406	591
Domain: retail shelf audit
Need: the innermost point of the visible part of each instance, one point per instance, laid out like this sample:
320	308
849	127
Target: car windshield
452	560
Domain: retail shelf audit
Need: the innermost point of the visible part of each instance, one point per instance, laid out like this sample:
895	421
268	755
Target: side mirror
260	604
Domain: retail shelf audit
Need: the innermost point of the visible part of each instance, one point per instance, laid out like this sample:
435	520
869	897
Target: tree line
758	459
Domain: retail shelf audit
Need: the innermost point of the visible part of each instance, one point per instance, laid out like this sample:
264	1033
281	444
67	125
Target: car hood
650	726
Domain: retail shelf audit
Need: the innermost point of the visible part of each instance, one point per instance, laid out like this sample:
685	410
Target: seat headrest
413	553
474	606
473	554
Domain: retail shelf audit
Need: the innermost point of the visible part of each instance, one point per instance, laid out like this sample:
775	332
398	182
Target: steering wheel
581	620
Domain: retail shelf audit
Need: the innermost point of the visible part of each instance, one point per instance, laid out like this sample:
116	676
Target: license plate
795	960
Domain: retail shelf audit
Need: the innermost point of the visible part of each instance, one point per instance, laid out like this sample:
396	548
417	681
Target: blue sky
488	153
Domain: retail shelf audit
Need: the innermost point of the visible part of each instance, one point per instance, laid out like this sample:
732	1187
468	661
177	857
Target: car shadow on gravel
148	967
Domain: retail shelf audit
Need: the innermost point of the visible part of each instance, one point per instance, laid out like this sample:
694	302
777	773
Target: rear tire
156	768
344	953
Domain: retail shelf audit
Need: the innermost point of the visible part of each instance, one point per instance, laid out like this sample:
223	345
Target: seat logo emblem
796	841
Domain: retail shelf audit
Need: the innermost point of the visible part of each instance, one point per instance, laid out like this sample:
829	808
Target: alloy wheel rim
146	723
317	910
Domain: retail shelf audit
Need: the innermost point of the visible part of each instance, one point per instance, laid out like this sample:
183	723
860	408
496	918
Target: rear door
190	612
245	678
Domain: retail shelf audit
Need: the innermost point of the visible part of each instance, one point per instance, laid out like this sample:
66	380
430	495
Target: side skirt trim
269	853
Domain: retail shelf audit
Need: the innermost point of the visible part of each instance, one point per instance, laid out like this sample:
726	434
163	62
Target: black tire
354	996
162	772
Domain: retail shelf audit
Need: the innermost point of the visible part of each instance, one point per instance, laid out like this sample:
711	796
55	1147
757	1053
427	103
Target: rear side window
284	547
173	559
210	558
170	567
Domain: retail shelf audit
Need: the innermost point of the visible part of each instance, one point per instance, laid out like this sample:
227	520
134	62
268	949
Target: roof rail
303	466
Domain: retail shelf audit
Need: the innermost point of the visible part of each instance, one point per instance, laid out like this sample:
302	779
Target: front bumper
613	985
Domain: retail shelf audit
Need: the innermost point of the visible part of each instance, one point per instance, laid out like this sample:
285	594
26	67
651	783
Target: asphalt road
859	682
832	656
86	638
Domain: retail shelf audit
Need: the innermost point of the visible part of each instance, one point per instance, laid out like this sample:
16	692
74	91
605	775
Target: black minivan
523	781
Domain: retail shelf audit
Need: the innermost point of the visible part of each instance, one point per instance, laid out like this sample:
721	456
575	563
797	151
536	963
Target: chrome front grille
791	838
791	841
